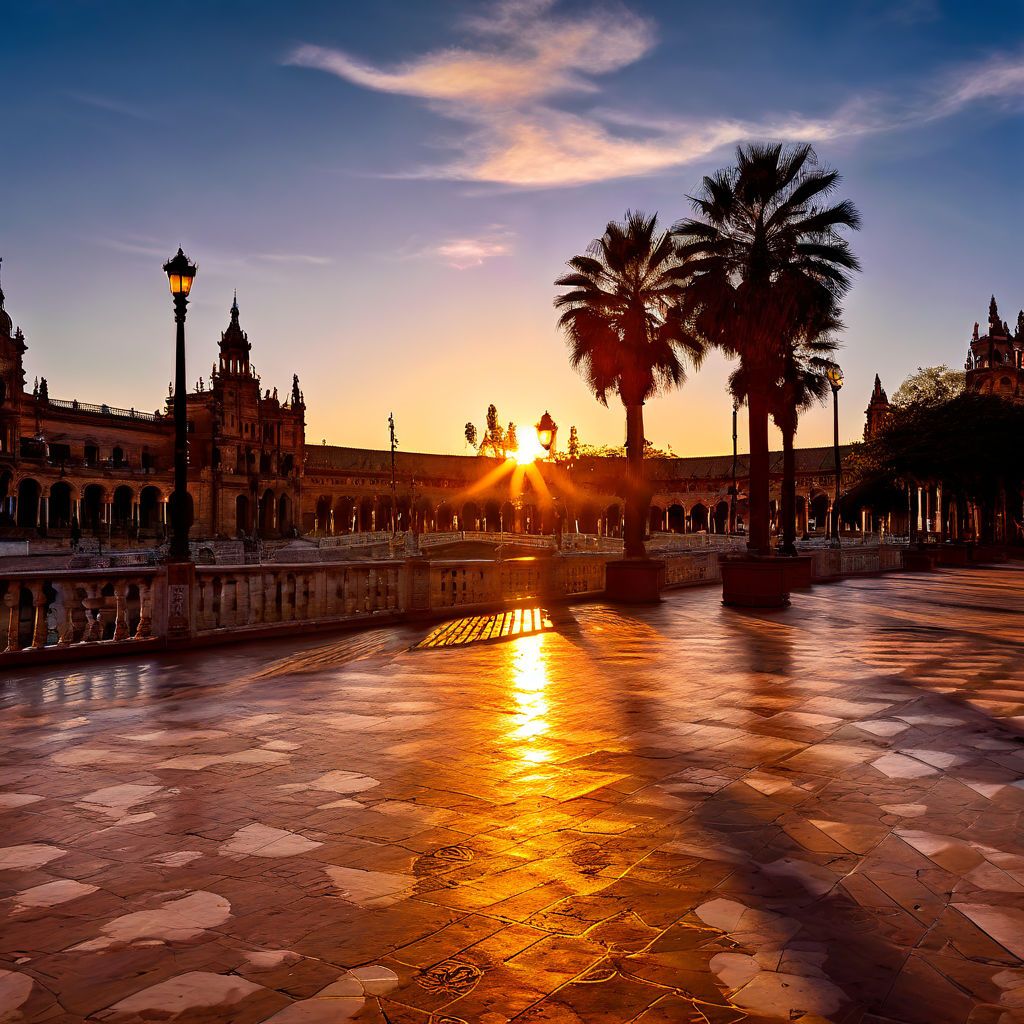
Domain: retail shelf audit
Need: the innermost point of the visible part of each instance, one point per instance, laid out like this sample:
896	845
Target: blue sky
393	187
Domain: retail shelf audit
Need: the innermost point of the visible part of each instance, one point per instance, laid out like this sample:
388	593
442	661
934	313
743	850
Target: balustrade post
242	600
144	629
12	602
64	623
270	613
93	602
254	582
121	610
39	627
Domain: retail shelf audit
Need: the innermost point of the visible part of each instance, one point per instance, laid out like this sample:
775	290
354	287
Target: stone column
43	511
920	510
938	511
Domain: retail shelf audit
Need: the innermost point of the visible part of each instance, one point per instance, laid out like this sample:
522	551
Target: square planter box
751	582
989	553
953	554
918	560
634	580
800	571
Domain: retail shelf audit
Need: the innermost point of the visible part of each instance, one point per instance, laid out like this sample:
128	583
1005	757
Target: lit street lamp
547	429
180	274
732	492
835	379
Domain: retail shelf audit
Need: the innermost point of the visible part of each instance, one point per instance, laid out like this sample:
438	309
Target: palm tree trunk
788	484
637	499
759	537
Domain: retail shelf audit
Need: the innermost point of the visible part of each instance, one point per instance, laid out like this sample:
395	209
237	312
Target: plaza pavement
670	814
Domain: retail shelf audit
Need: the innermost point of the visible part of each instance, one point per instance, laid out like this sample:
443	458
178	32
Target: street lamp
732	492
180	274
546	428
835	379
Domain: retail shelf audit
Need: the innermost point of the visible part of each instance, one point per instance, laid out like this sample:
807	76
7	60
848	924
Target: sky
393	187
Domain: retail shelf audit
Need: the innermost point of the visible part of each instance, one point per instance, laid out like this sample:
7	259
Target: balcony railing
105	410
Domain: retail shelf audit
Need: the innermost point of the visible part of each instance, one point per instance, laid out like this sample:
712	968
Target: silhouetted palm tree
765	256
621	316
803	385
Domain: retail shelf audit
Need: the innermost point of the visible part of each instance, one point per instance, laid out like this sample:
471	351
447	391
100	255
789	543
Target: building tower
234	346
878	412
994	359
12	381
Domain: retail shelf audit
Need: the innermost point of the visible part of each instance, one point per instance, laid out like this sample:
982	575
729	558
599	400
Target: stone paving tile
670	814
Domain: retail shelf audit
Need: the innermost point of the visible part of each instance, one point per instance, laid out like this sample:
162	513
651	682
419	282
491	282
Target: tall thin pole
835	444
181	519
732	495
394	485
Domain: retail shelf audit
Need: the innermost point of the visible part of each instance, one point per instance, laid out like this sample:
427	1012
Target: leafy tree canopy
930	385
970	444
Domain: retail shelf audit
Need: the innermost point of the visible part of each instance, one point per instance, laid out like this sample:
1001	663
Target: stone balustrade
67	609
75	613
254	597
857	560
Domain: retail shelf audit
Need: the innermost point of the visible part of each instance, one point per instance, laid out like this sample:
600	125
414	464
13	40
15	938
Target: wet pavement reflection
677	813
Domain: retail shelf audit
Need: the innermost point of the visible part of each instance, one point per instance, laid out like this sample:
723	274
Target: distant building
878	412
110	470
994	359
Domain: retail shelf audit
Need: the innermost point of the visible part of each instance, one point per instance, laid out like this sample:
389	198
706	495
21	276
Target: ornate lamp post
732	492
547	429
835	379
180	274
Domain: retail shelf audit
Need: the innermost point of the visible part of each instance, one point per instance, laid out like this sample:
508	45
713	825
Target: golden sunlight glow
530	449
529	685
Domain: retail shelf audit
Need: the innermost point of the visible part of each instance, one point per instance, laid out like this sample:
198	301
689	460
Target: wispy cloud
504	90
528	53
213	258
112	106
466	251
301	258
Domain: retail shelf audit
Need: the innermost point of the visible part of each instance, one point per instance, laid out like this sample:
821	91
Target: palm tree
764	257
804	384
621	317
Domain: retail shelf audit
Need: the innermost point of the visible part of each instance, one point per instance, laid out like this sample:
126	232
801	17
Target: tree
803	385
930	385
511	441
764	256
471	435
621	317
969	444
573	448
494	439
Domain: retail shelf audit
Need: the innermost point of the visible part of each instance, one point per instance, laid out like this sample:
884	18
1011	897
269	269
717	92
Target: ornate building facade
994	359
109	470
68	465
